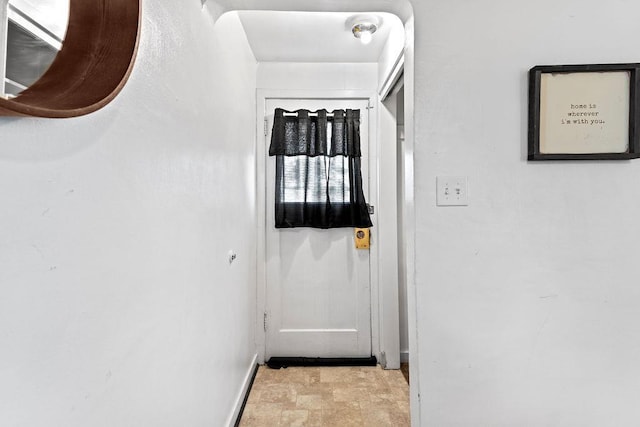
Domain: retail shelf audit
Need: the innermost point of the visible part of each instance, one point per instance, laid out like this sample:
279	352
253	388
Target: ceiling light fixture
364	31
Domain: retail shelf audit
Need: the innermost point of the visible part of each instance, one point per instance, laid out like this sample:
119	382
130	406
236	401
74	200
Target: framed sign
584	112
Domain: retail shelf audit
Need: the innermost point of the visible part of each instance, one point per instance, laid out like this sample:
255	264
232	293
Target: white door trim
378	304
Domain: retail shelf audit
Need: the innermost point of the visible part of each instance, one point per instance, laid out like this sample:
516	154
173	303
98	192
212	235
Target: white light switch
451	191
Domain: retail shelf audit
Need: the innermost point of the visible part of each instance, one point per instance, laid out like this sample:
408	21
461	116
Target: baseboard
404	357
234	418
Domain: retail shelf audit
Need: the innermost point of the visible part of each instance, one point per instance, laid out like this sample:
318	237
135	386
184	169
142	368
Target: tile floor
327	396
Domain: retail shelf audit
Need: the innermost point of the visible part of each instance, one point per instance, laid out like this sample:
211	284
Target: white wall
119	306
317	76
527	298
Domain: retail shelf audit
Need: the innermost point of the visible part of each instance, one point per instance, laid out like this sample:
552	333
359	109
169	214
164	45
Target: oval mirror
55	69
34	36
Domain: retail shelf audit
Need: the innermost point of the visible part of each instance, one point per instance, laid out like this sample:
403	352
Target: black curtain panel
318	178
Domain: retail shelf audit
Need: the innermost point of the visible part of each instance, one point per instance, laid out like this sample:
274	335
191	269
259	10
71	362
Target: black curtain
318	178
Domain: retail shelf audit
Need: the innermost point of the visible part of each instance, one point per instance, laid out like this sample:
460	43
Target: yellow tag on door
362	238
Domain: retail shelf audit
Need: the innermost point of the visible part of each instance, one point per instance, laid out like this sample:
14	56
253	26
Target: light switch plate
452	191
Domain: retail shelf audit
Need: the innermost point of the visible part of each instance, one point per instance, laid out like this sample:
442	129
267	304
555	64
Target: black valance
307	133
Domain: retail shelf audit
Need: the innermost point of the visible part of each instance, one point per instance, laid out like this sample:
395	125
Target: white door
318	296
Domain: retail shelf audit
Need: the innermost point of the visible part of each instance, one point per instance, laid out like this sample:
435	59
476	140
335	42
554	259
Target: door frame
382	306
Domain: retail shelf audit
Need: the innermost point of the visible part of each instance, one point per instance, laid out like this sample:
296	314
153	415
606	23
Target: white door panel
318	285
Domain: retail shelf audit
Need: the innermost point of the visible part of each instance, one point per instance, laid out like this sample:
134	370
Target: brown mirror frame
94	64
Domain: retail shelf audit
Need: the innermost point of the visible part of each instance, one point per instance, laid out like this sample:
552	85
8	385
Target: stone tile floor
327	396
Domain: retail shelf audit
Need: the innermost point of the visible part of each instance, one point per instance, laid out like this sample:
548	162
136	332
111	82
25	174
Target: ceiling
51	14
312	36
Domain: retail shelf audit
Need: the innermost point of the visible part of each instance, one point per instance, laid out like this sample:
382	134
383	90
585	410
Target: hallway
327	396
134	266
